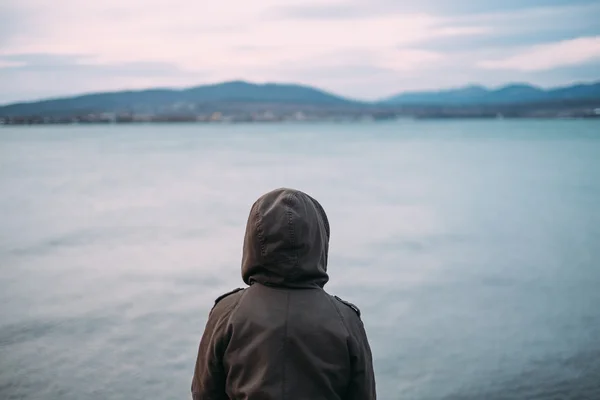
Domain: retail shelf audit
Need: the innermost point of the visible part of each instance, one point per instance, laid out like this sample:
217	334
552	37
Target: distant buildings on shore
213	117
340	115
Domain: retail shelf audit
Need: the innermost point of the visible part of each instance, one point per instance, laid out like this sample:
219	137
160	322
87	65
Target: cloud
341	9
119	37
356	48
549	56
11	64
42	61
35	76
524	28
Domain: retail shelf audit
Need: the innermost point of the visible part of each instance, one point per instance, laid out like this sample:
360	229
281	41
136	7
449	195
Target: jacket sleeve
362	381
208	382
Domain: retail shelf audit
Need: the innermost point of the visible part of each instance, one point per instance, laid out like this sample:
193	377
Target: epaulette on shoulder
352	306
221	297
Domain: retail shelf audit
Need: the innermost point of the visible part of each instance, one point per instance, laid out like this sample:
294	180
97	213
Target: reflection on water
470	247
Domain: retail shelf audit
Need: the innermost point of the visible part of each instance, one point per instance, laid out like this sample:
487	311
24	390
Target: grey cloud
568	16
35	61
360	8
51	63
526	28
453	7
502	40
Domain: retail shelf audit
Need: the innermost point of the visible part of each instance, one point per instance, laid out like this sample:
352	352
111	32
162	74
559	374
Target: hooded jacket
284	337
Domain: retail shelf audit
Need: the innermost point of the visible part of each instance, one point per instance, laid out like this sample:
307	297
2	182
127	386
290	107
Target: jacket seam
343	320
292	197
259	231
236	305
339	313
230	317
321	211
224	296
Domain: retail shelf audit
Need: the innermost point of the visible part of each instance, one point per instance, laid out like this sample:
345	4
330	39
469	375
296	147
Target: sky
363	49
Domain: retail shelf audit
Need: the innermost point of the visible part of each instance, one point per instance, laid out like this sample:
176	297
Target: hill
157	100
511	94
244	98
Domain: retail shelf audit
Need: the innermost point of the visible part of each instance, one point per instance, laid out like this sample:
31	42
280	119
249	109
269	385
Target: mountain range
153	99
510	94
241	92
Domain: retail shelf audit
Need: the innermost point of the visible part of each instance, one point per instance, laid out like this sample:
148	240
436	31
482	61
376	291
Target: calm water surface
472	249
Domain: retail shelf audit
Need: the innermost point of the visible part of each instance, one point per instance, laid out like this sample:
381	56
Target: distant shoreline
246	102
36	122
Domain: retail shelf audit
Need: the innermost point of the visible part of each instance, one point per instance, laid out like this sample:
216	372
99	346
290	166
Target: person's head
286	241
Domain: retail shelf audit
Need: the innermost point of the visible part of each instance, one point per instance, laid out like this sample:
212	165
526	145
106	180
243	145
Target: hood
287	241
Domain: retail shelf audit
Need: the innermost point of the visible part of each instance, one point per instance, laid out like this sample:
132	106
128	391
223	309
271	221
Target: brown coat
284	337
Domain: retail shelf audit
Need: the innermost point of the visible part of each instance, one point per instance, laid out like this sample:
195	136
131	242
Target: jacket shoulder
221	297
348	304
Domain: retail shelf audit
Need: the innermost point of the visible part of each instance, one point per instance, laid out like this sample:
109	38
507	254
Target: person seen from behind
283	337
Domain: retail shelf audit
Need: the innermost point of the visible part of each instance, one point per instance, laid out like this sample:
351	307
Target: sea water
472	249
